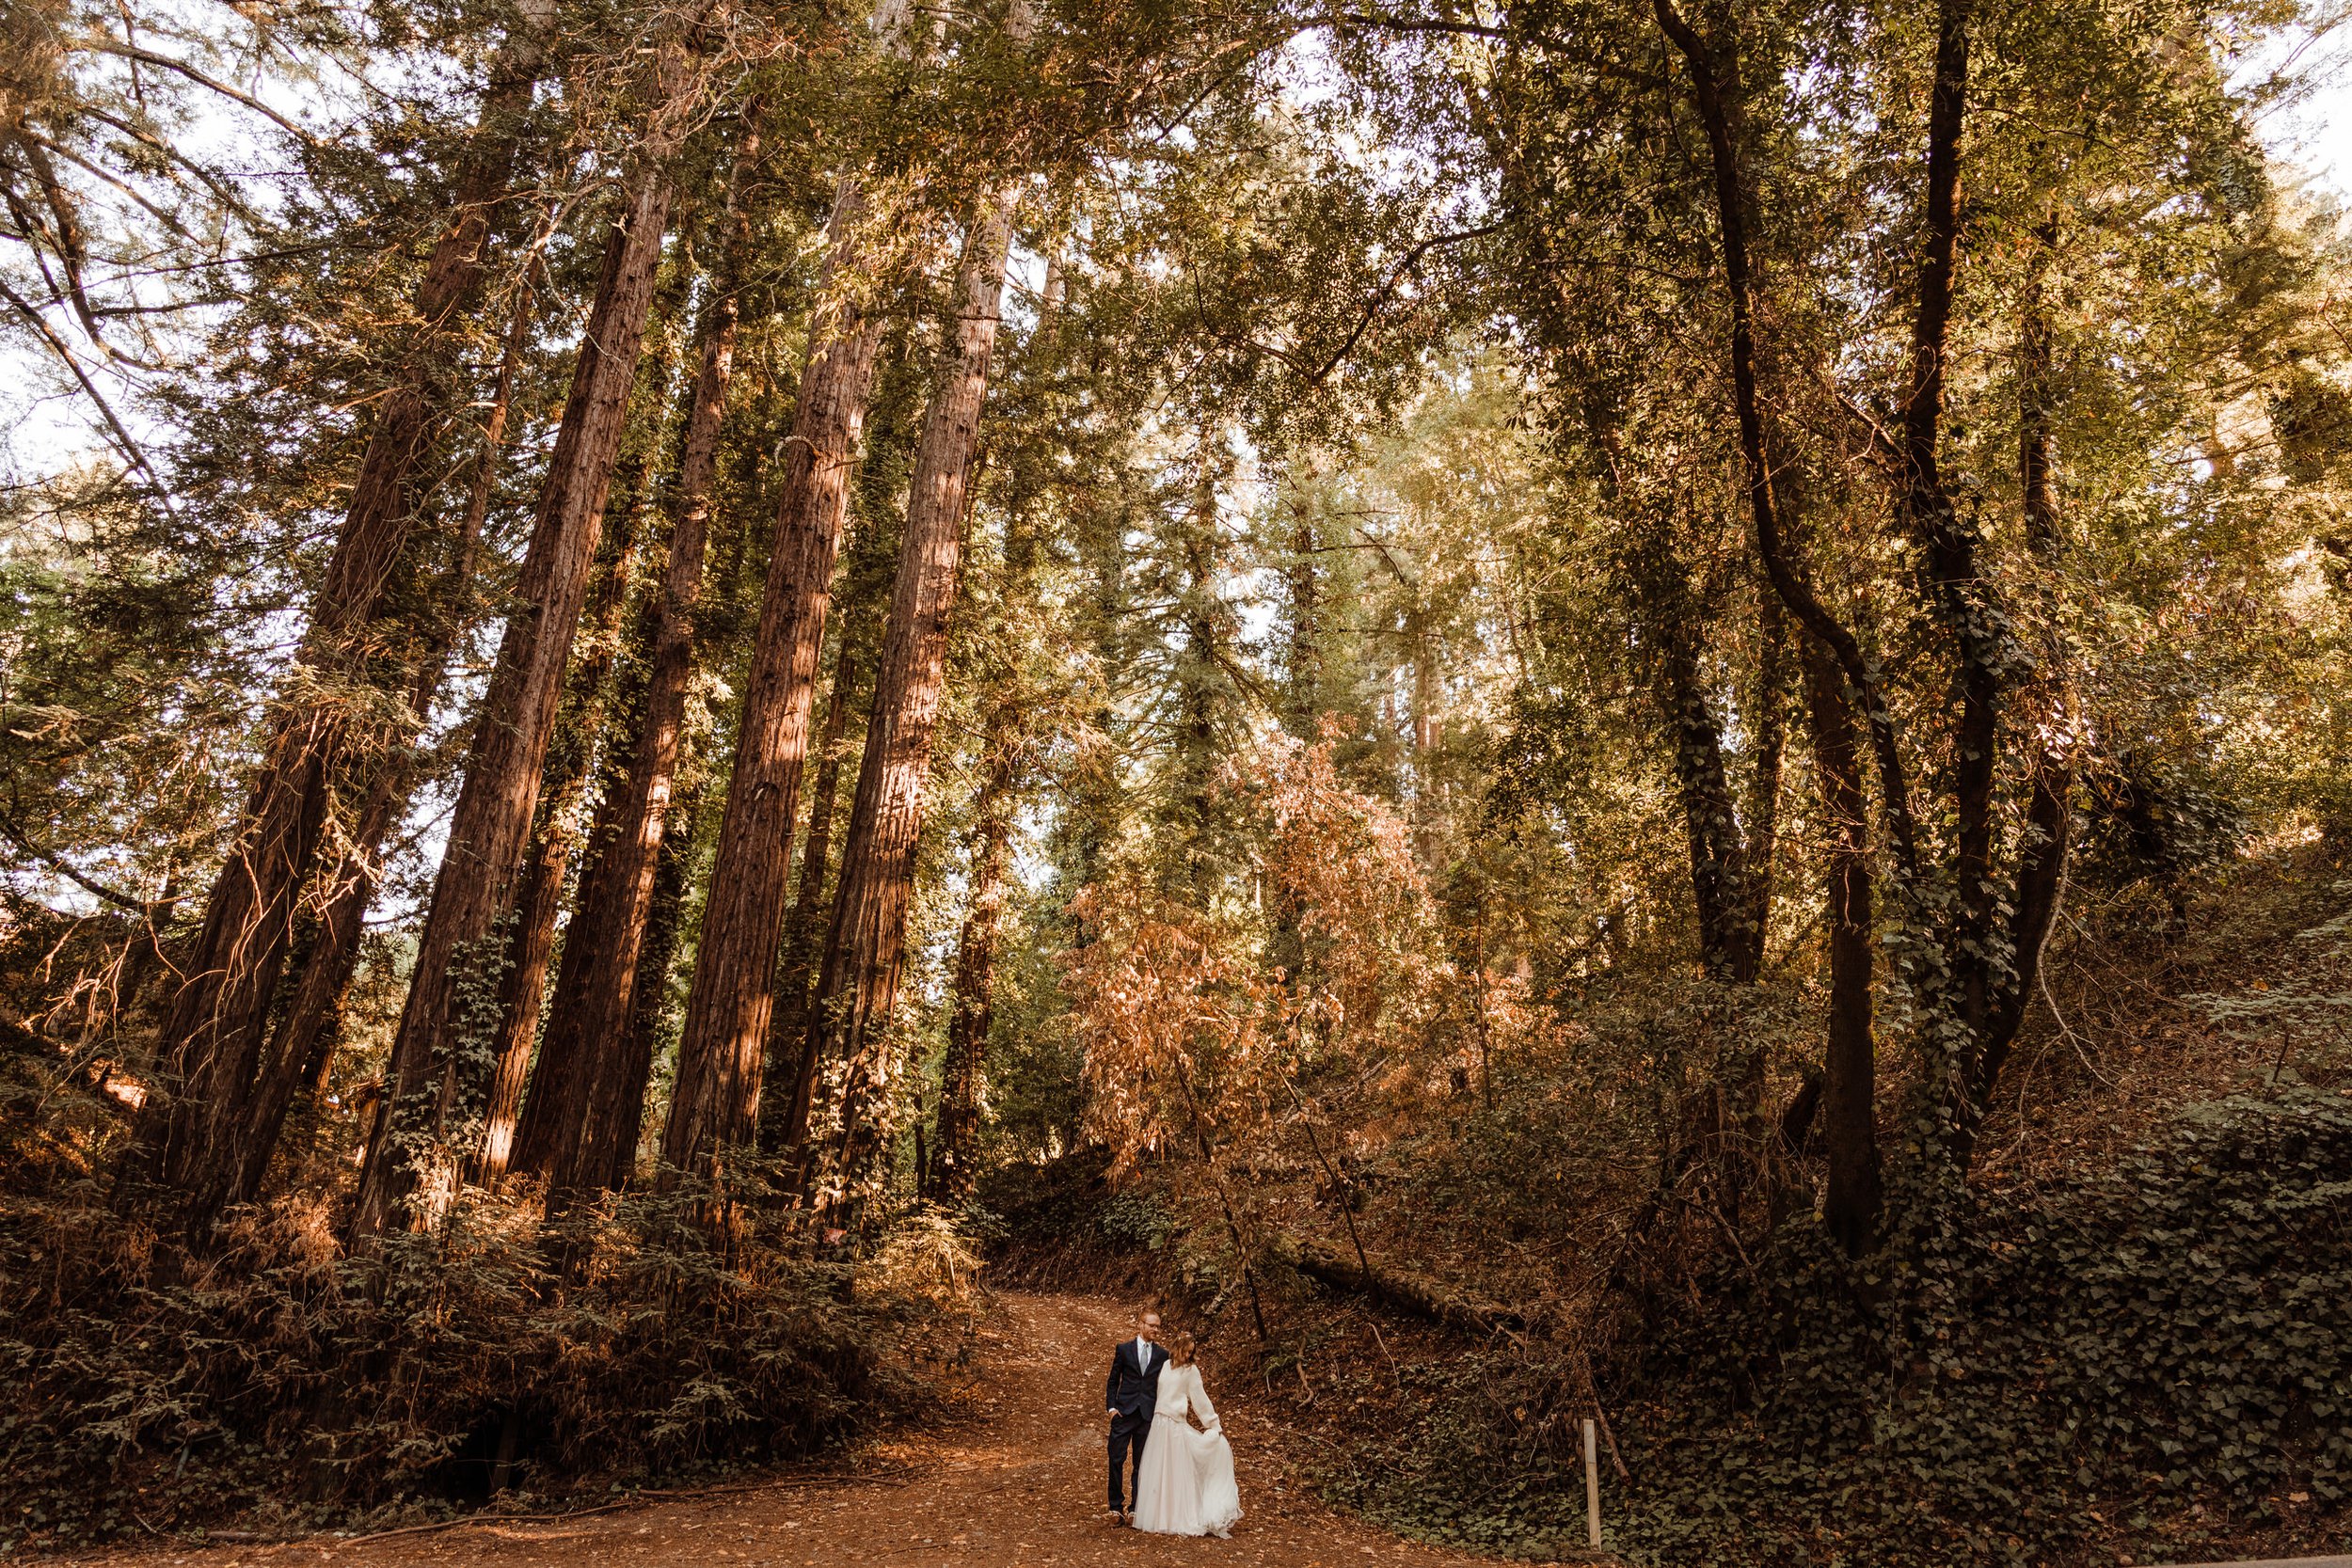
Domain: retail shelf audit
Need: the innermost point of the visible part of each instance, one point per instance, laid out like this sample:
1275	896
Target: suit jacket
1134	1388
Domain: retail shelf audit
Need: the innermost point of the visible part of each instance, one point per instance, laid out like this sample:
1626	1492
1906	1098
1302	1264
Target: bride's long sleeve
1201	1402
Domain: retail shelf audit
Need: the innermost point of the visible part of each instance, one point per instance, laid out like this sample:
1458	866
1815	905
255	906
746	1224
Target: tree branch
64	352
1793	589
1412	259
96	889
130	52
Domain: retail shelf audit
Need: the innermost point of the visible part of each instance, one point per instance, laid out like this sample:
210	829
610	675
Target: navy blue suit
1131	1394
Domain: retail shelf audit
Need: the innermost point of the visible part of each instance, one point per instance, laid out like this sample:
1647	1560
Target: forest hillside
1632	712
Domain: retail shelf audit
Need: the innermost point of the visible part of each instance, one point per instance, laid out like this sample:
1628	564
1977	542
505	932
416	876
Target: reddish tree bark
972	1004
865	949
440	1065
789	1039
714	1102
554	836
299	1050
651	996
212	1037
587	1093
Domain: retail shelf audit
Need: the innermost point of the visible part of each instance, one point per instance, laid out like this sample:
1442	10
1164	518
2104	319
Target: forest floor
1011	1477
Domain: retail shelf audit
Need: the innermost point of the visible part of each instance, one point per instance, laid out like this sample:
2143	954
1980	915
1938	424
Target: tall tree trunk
714	1104
2048	834
1718	850
1730	892
212	1036
617	1124
1834	662
555	832
1302	662
298	1044
790	1036
1795	592
440	1054
1726	895
858	986
299	1050
587	1092
1950	543
1848	1115
971	1004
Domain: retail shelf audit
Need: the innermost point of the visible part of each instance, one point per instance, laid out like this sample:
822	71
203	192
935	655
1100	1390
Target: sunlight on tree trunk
439	1055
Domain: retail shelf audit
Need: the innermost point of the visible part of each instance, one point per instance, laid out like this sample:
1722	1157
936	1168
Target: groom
1128	1399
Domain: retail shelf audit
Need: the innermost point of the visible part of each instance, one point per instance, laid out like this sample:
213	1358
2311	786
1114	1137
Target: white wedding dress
1184	1485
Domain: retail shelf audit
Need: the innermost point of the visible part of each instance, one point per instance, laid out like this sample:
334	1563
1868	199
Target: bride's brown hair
1180	1349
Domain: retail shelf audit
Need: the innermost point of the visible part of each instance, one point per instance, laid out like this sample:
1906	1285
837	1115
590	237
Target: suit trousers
1127	1436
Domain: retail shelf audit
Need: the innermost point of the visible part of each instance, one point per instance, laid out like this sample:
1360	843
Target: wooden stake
1592	1488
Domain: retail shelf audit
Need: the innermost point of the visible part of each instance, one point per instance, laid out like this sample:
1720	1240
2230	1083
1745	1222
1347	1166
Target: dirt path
1016	1482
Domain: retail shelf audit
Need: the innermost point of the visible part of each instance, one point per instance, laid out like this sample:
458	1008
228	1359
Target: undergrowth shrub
148	1392
1060	1224
2152	1362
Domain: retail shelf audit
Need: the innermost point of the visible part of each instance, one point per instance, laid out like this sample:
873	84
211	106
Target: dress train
1186	1485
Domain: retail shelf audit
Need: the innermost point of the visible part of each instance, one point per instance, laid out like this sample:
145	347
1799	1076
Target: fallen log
1415	1295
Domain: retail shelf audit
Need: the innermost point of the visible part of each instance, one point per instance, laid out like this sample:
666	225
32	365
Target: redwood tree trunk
299	1050
555	835
714	1104
440	1054
858	986
665	915
586	1094
212	1036
971	1006
789	1039
299	1043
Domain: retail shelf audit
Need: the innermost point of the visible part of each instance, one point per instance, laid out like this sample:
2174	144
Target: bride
1184	1485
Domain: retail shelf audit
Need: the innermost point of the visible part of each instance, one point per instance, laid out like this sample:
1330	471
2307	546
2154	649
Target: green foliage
1135	1218
153	1392
2161	818
117	679
2157	1360
1363	381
